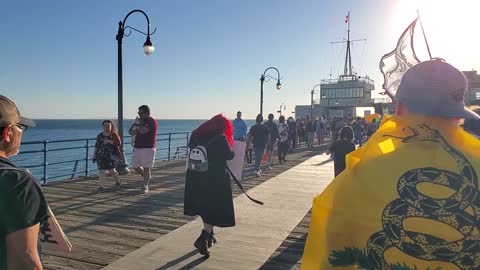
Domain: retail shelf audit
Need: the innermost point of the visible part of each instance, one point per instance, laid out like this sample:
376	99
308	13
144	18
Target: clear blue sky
59	58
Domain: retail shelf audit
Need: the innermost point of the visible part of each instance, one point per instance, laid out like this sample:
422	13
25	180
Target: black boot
202	243
212	240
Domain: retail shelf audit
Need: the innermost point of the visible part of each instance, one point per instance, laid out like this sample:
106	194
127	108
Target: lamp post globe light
148	49
311	99
278	85
262	80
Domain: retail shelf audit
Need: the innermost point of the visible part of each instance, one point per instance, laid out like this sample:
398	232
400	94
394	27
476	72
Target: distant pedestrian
283	140
328	125
341	148
358	129
310	128
273	132
292	133
107	153
239	128
208	193
321	131
335	128
372	128
23	207
145	131
258	136
300	131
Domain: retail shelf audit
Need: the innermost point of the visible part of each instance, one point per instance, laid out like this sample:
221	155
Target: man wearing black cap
22	204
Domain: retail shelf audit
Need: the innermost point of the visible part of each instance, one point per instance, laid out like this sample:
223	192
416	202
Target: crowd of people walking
208	190
286	135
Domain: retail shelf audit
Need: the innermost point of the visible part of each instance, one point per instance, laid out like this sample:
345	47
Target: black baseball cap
9	114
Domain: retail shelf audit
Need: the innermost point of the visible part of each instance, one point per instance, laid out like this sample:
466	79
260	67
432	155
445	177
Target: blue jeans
258	157
358	138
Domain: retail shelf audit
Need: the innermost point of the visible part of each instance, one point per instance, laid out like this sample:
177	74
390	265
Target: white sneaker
257	173
145	189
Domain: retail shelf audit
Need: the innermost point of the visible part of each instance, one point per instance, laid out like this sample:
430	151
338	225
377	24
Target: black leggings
282	150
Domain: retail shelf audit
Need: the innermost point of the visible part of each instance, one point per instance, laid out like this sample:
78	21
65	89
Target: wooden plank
258	232
289	254
99	223
59	263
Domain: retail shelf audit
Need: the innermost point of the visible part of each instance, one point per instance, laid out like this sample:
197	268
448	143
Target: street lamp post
148	50
262	79
311	99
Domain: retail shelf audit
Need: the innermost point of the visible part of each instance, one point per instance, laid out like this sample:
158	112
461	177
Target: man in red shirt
145	131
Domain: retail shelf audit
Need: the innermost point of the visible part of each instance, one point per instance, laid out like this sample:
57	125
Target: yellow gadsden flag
408	199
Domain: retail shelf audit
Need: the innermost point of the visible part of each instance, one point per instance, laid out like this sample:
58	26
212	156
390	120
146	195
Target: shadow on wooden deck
104	227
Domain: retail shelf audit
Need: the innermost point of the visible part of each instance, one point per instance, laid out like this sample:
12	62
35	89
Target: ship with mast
342	96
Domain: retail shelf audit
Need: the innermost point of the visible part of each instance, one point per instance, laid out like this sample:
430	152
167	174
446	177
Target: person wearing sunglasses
145	131
23	206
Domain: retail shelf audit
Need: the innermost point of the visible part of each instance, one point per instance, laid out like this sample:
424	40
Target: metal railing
348	78
381	100
52	157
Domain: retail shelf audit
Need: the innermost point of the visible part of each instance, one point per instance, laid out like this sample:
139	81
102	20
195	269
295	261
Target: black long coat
209	194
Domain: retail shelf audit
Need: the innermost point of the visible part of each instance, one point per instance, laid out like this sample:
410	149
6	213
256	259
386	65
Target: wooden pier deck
107	226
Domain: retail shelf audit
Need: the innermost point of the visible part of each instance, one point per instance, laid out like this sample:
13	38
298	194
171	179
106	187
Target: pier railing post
169	144
86	158
45	163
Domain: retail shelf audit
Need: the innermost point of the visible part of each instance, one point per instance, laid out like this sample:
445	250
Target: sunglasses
140	113
21	127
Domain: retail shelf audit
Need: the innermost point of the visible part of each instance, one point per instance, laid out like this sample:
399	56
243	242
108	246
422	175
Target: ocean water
76	160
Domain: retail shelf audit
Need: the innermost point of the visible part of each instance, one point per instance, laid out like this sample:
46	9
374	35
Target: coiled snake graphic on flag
461	211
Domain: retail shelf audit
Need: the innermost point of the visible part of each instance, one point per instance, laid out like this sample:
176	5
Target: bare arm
22	250
133	129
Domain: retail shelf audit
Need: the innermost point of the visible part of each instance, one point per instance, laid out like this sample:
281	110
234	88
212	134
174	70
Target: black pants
282	150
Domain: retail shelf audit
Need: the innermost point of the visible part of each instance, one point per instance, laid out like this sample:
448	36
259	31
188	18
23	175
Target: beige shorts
143	157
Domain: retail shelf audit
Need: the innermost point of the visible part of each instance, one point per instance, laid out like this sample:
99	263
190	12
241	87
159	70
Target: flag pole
424	36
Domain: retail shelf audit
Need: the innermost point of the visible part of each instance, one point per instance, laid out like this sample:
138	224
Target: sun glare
449	27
